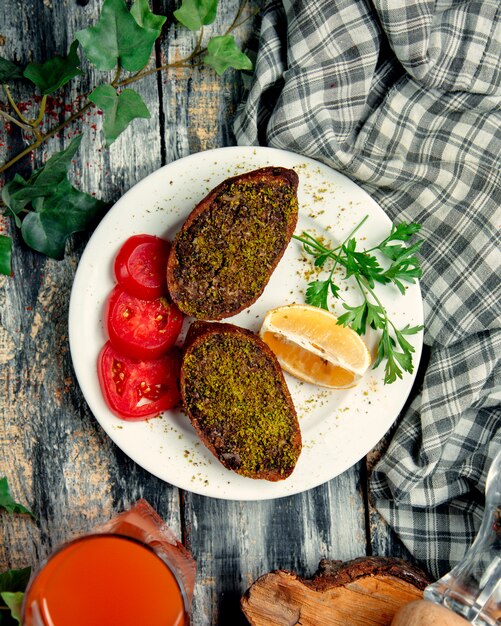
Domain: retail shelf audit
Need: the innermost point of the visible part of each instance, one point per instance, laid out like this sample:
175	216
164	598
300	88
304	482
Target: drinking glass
131	570
473	588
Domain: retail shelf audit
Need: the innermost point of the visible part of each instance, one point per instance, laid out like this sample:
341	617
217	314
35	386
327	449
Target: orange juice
105	580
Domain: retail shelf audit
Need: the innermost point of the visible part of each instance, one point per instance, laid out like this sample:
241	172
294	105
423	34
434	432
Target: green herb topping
237	400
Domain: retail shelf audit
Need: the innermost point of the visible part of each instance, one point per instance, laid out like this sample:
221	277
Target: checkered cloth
405	98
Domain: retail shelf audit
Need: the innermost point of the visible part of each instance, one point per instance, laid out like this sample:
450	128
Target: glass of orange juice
131	571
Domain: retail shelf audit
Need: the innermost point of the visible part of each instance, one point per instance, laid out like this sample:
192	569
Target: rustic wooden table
57	459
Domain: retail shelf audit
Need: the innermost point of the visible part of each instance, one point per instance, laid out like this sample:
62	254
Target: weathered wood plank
61	463
236	542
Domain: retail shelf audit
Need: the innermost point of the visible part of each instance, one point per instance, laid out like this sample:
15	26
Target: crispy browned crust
198	285
217	440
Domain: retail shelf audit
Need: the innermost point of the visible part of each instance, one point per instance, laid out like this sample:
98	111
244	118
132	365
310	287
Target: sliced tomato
135	390
140	266
141	329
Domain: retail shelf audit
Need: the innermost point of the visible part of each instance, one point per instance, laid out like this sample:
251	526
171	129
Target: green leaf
14	601
55	169
55	72
67	210
141	12
391	371
118	38
411	330
356	317
5	255
404	344
223	53
397	252
405	360
403	231
376	317
322	258
119	110
6	501
334	289
362	264
380	356
12	585
18	192
59	209
196	13
317	293
15	579
10	194
9	70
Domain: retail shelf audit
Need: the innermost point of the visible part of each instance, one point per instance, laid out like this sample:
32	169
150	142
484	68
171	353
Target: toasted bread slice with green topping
222	258
236	397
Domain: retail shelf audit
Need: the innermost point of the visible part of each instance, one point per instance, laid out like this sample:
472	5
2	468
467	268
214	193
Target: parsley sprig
364	267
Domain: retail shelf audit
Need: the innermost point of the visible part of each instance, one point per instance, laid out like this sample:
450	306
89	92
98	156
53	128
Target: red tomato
140	266
135	390
141	329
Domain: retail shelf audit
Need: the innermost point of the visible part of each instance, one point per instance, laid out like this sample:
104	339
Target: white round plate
338	427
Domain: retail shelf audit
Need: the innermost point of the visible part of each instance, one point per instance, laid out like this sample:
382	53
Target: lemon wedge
310	344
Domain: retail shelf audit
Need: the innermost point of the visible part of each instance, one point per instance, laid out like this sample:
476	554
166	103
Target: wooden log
367	591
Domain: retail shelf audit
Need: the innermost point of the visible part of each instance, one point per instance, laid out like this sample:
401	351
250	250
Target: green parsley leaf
334	289
55	72
6	501
118	38
317	293
9	70
223	53
361	264
405	360
403	231
376	316
13	600
322	258
141	12
119	110
404	344
398	252
381	350
411	330
356	317
196	13
58	215
5	255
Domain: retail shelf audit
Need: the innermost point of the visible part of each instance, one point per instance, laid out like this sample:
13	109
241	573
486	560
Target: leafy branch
46	207
364	267
12	582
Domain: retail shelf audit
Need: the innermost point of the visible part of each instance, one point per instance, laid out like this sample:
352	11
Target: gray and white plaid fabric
405	98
